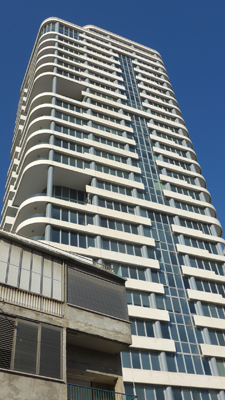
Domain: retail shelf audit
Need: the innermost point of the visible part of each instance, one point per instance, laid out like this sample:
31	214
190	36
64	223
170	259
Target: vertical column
50	173
97	218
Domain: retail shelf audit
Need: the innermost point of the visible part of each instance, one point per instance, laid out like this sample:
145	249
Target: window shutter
50	357
26	347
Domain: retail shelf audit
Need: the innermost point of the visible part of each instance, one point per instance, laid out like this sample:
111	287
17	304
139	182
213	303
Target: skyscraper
102	165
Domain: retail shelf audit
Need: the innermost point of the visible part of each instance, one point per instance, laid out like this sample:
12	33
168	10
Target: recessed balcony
33	179
65	86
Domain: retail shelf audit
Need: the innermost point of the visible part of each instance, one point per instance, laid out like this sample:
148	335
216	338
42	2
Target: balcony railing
77	392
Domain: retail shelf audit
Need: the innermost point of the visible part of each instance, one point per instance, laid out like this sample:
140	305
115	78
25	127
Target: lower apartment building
102	166
63	324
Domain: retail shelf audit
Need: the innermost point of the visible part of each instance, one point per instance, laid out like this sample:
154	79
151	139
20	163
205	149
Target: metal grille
6	341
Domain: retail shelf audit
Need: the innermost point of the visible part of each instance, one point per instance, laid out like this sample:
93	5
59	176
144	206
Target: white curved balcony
46	48
153	80
189	200
33	227
178	169
175	156
199	253
171	142
50	35
183	184
194	233
35	204
157	89
156	96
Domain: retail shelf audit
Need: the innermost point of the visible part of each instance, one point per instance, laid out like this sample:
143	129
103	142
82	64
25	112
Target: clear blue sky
189	34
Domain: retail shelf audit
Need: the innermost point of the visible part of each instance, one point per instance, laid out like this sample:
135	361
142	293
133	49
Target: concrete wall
105	327
19	387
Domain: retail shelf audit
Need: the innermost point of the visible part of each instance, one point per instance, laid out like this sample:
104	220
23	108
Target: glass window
126	359
145	300
122	248
155	362
130	250
177	394
82	241
189	364
145	361
140	392
129	297
64	215
91	241
196	395
206	366
56	212
159	393
133	328
73	239
105	244
64	237
140	328
180	363
138	251
221	368
149	393
159	302
114	246
149	329
165	331
81	219
171	362
135	359
137	299
133	272
73	217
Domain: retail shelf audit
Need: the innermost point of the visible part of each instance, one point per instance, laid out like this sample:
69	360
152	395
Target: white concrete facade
103	166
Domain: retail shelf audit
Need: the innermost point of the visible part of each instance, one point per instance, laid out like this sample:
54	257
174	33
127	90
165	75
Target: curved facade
102	165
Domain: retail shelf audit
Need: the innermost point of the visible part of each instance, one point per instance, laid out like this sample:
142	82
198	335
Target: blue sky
190	35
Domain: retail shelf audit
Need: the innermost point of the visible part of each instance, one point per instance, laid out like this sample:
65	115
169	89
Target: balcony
77	392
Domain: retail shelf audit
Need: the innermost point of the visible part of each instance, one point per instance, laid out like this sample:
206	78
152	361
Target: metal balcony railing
77	392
